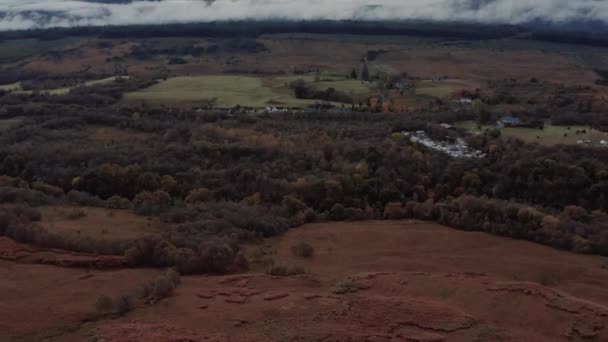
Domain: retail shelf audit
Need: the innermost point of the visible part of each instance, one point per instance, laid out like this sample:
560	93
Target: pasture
550	135
443	88
232	90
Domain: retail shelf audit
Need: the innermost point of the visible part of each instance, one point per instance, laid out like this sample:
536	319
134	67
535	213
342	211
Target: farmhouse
509	121
276	109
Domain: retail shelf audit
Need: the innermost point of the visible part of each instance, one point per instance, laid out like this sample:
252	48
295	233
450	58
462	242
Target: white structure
458	149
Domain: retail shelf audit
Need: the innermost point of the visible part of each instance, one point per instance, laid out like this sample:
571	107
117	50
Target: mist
31	14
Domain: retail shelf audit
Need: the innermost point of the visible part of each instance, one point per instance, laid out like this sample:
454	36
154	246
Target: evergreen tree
365	73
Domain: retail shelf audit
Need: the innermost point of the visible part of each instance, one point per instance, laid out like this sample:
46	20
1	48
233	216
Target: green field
442	89
12	86
550	135
63	91
10	123
229	91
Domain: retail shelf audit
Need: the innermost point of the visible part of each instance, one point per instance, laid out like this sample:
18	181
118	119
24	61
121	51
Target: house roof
510	120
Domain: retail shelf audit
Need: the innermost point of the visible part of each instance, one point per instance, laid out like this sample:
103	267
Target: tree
482	113
353	74
365	73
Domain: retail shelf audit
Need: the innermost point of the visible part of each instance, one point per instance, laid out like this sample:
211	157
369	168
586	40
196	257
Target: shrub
48	189
163	286
293	206
104	305
198	195
337	212
117	202
302	250
76	214
576	213
84	199
285	271
216	257
27	212
151	203
22	195
122	305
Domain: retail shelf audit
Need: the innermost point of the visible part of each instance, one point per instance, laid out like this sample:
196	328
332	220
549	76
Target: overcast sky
25	14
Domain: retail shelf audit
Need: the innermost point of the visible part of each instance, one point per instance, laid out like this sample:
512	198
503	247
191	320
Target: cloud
27	14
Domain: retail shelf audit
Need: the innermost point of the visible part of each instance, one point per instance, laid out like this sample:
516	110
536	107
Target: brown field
40	301
367	281
99	223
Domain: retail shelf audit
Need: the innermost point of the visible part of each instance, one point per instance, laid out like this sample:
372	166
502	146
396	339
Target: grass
12	86
441	89
10	123
326	80
66	90
226	91
550	135
63	91
97	224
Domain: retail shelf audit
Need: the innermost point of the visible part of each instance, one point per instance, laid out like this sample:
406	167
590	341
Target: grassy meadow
232	90
550	135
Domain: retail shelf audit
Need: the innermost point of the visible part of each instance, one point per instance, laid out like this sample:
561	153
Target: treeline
303	90
254	28
230	45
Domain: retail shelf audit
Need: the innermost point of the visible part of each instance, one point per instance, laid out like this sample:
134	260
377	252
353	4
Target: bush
104	305
122	305
151	203
198	195
285	271
84	199
163	286
216	257
76	214
117	202
27	212
27	196
302	250
48	189
576	213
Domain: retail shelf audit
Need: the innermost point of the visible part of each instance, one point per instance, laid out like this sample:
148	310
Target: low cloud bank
29	14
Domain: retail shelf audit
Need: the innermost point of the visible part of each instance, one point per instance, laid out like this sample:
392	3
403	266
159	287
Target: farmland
549	135
229	91
443	88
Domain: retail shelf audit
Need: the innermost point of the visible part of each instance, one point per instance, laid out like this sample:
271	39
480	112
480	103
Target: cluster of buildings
456	149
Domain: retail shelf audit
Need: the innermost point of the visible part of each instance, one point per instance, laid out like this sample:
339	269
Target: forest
222	178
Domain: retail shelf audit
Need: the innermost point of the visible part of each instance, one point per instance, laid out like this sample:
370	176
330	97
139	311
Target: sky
28	14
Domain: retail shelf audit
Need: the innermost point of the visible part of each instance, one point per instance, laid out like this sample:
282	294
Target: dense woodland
255	28
224	178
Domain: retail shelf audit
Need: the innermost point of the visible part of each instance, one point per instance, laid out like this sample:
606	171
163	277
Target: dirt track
380	281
